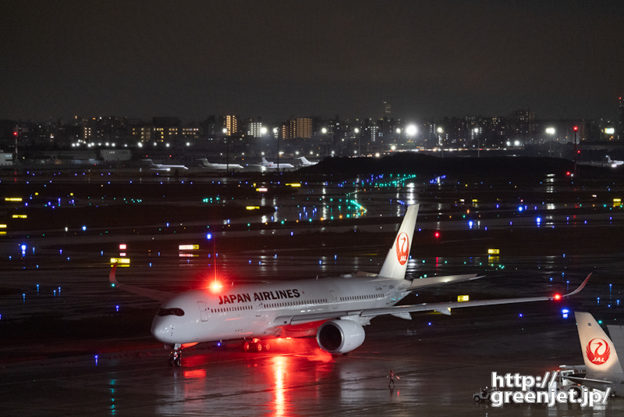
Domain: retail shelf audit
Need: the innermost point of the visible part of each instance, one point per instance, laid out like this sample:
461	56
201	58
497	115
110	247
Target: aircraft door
203	311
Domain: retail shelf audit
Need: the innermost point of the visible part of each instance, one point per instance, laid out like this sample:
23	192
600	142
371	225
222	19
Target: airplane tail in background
264	161
599	355
395	264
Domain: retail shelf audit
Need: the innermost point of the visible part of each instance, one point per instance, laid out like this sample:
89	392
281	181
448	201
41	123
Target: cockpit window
170	312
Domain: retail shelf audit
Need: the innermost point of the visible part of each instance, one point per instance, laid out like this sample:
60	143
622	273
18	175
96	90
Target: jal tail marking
395	264
599	352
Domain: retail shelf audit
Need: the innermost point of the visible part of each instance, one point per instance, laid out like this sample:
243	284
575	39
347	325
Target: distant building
230	123
256	129
300	127
387	109
164	129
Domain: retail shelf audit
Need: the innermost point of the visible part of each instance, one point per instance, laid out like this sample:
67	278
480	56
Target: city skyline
559	59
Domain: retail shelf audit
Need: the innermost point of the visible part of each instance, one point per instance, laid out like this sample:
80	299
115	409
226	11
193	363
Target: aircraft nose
162	330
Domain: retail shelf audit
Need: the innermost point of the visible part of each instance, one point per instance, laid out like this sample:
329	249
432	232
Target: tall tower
387	109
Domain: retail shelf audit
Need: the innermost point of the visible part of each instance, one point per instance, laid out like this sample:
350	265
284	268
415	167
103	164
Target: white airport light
440	130
188	247
224	130
263	131
356	130
324	130
398	130
550	130
517	142
411	130
609	130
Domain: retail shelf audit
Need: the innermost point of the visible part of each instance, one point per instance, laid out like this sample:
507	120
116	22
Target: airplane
607	162
220	167
302	161
162	167
272	165
602	367
613	163
334	310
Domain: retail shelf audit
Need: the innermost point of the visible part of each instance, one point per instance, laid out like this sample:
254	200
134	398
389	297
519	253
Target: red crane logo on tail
598	351
402	247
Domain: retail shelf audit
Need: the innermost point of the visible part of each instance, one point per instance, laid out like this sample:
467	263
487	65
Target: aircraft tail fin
264	161
395	264
599	354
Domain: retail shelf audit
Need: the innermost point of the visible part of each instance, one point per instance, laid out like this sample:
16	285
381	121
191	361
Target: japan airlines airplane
602	368
332	309
272	165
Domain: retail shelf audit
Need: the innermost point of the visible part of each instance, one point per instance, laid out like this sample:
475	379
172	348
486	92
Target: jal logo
598	351
402	248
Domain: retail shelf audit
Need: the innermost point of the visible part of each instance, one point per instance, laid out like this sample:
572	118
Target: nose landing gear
175	356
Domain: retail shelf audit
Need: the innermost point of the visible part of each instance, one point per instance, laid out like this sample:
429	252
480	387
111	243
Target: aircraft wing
404	310
447	279
143	292
580	380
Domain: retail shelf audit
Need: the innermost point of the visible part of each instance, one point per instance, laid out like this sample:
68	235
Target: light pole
475	132
575	128
227	151
550	131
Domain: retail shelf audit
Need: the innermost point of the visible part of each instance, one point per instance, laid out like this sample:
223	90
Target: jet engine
340	336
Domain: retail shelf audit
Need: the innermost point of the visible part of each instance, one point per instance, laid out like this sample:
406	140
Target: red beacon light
557	297
436	234
215	286
575	128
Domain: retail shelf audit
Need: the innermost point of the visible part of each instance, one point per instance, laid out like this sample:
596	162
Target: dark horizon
561	59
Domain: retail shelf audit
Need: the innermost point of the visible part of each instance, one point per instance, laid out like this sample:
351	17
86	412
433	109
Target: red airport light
436	234
215	286
15	133
568	173
557	297
575	128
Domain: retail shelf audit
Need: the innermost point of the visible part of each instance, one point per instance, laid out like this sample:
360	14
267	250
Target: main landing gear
175	356
256	345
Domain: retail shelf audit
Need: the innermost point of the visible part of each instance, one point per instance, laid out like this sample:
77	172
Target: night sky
277	59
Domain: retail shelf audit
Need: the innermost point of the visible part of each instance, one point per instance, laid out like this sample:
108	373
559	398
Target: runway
75	346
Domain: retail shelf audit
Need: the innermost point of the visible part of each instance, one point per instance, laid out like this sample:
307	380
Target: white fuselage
248	311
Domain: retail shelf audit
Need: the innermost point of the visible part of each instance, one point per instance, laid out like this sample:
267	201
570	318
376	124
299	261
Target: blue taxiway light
208	236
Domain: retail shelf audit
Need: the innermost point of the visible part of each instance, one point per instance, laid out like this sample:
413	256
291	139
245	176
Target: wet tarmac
74	346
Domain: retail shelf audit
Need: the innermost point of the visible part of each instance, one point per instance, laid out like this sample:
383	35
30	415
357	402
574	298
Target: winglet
580	287
111	276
